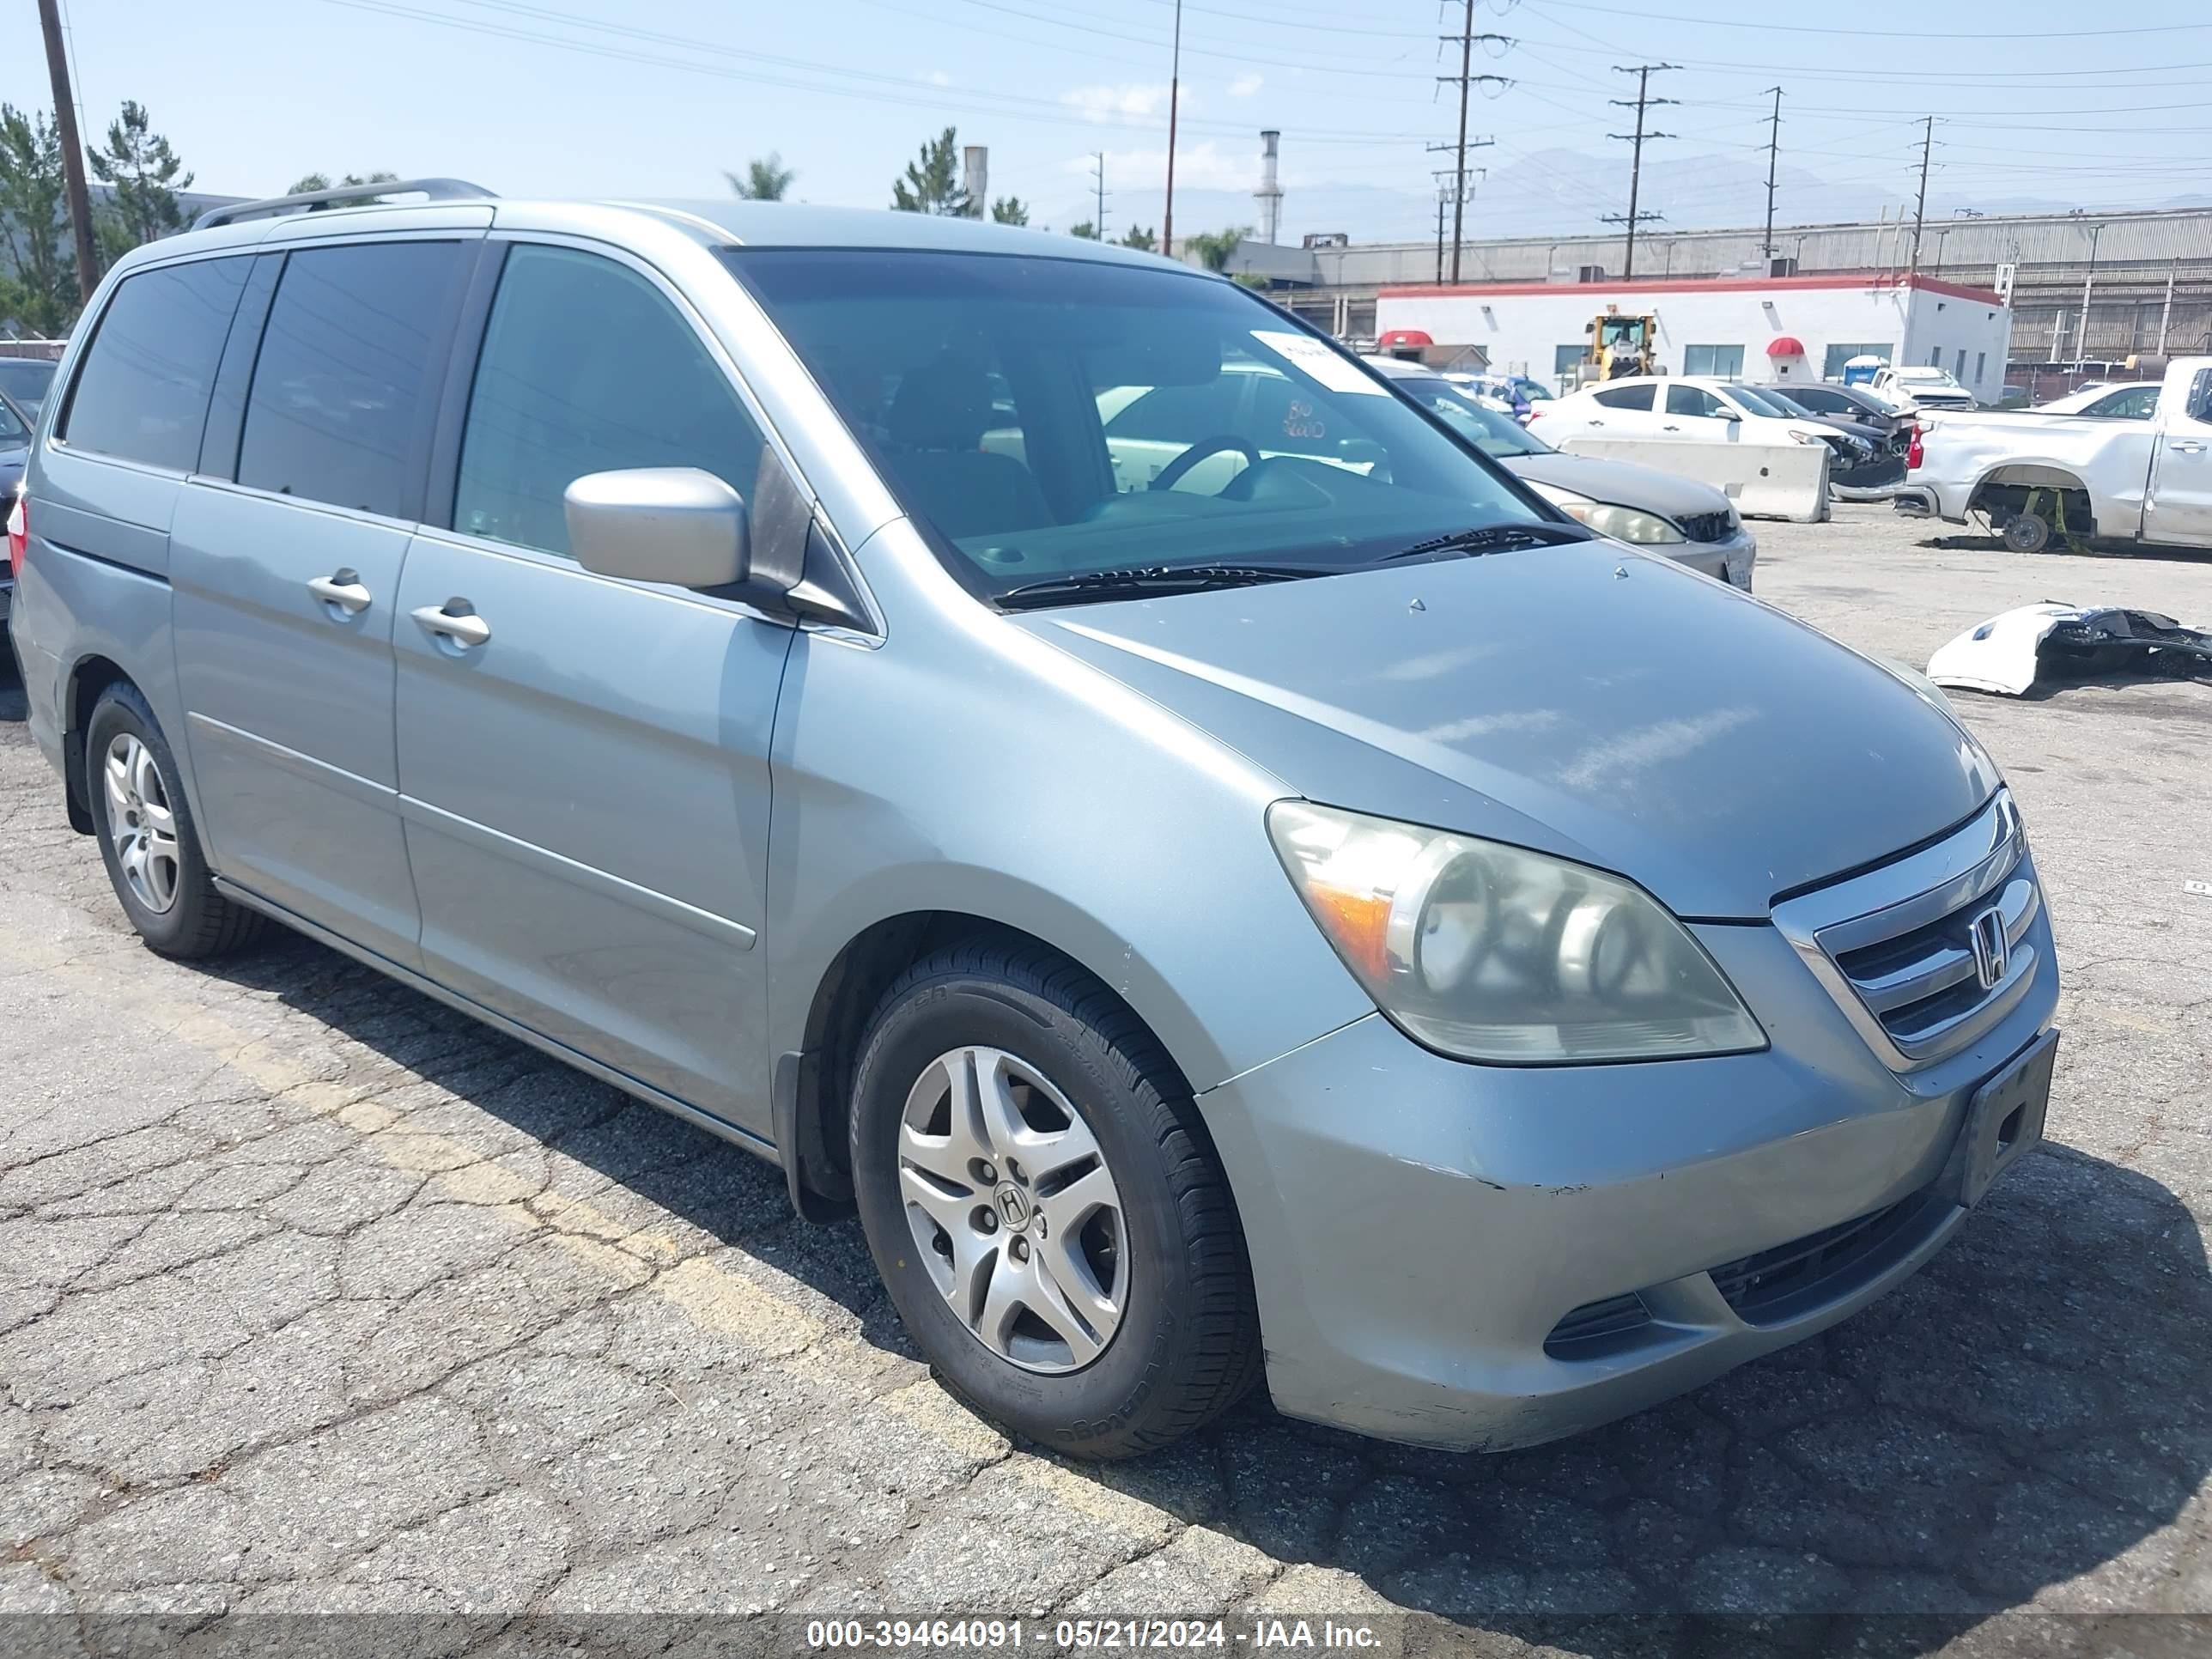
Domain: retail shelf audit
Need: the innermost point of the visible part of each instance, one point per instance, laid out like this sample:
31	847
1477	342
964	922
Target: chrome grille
1896	947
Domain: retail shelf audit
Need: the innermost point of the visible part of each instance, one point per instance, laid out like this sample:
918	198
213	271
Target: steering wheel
1178	468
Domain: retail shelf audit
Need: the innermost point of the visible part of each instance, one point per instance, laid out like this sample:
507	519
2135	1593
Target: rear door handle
342	591
463	626
1670	428
2189	446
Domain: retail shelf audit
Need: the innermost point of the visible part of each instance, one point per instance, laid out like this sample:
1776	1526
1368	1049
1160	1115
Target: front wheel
1042	1208
2029	532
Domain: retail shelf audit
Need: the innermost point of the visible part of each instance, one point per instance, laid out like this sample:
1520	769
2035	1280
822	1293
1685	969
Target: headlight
1486	951
1624	524
1797	436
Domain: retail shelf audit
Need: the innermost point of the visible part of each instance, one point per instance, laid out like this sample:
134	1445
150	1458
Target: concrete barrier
1764	481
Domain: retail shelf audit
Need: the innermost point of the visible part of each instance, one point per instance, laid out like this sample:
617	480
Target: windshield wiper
1154	579
1492	538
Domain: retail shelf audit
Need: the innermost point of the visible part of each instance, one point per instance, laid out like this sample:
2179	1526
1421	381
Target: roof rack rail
434	190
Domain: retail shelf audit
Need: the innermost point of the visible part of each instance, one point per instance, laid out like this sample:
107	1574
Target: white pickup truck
2036	475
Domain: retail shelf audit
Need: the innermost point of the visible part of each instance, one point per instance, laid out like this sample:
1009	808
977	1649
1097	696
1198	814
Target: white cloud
939	78
1137	99
1245	85
1198	166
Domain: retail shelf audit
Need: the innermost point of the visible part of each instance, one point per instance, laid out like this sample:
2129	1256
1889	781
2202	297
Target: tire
152	864
2029	532
1158	1281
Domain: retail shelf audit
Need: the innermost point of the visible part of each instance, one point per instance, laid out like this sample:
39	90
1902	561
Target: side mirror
1728	413
676	524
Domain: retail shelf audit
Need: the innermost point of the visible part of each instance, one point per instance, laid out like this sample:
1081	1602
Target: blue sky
2039	101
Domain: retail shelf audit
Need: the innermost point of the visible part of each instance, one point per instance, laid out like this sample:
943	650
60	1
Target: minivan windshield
1047	418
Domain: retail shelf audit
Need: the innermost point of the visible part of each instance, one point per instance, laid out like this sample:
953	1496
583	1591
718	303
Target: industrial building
2147	274
1756	328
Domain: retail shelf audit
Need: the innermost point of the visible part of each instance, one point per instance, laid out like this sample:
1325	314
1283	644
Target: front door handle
1670	428
2189	446
454	621
342	590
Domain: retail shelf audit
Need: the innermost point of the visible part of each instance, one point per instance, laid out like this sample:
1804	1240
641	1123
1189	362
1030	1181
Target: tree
1087	230
1144	241
1216	248
143	176
931	184
39	291
308	181
1010	210
765	178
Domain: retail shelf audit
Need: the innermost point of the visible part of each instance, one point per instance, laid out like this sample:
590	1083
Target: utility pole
1451	186
2088	277
1467	77
80	198
2166	314
1174	97
1773	150
1920	208
1642	72
1099	184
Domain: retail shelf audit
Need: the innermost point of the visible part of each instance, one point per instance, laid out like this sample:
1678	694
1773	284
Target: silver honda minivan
1062	759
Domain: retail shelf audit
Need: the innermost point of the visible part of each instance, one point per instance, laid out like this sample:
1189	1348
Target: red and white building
1754	328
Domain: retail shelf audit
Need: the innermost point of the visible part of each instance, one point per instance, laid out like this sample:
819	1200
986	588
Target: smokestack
975	178
1270	193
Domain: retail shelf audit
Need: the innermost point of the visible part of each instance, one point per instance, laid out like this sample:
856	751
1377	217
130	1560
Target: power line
1867	34
1642	72
922	94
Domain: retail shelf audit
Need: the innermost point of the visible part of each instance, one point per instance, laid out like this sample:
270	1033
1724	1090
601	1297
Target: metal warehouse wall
2136	254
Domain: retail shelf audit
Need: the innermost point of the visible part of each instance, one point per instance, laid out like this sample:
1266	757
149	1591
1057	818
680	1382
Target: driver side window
1692	400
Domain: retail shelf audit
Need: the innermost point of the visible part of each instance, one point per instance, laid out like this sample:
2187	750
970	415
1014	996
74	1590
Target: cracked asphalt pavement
317	1297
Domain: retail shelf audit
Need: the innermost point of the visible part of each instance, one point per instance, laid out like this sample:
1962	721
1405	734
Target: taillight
1913	450
19	532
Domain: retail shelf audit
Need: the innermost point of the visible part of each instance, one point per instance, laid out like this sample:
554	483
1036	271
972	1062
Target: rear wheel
1044	1209
147	837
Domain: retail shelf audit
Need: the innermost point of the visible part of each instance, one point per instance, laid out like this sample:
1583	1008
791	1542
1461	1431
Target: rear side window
345	386
587	367
1625	396
142	394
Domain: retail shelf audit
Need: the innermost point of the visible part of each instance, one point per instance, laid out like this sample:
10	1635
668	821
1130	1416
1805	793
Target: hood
1622	483
1587	700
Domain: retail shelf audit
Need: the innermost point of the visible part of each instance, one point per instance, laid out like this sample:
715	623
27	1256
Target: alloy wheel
1013	1209
141	823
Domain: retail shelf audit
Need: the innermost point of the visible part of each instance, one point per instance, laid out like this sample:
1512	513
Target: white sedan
1686	408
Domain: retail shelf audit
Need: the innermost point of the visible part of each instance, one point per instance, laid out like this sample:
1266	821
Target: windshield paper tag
1312	357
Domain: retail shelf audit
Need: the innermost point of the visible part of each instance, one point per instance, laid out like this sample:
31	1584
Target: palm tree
765	178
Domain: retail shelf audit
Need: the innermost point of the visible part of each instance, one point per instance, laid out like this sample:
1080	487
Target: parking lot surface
315	1297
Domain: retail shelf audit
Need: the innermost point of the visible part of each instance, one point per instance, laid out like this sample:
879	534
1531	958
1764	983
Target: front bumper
1730	560
1420	1228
